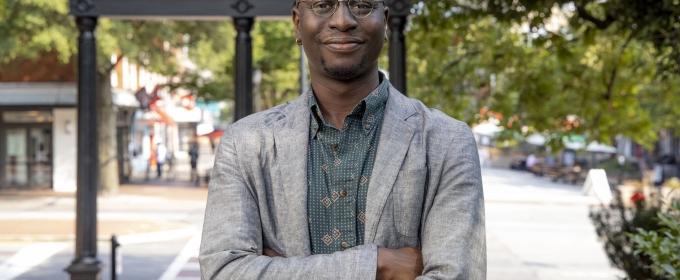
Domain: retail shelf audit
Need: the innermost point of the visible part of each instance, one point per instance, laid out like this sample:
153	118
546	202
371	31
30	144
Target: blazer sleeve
231	246
453	237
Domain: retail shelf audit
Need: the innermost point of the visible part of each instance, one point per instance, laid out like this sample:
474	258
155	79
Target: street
536	229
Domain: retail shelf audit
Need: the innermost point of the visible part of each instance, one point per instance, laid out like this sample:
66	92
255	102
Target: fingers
271	253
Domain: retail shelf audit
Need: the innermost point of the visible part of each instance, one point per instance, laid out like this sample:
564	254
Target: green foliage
656	22
277	55
560	68
662	246
274	53
30	28
616	223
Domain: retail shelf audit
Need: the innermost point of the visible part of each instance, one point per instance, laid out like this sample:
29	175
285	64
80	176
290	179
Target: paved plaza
540	230
536	229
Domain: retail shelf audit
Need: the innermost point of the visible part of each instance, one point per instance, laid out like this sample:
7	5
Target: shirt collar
370	109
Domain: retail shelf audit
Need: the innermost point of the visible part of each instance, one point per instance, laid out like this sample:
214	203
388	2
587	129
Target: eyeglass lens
359	8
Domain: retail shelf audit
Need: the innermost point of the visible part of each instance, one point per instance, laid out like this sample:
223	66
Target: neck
337	98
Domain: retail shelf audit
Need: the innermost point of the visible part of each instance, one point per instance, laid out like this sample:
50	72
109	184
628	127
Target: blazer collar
291	146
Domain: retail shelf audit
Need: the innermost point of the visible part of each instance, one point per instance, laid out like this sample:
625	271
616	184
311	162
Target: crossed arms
452	236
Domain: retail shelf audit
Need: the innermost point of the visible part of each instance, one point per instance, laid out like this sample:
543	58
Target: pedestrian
161	157
193	155
352	180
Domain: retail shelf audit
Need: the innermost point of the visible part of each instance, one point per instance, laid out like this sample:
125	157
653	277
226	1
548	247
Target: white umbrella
596	147
536	139
486	128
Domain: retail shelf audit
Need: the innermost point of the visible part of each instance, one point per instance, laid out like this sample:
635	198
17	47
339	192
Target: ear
386	12
296	21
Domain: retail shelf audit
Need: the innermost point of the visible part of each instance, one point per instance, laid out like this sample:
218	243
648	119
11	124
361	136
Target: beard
344	72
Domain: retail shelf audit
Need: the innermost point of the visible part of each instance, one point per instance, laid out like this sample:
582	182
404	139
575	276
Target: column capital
86	24
244	24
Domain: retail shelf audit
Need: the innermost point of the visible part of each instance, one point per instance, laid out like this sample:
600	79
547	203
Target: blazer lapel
394	142
290	140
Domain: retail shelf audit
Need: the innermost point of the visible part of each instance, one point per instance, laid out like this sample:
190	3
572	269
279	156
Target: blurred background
574	105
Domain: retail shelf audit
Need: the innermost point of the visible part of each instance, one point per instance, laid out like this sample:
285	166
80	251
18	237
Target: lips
343	44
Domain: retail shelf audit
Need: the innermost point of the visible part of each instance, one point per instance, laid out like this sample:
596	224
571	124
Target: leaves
539	66
664	249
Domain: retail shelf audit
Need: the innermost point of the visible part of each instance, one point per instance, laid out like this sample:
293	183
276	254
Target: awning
217	133
124	98
46	94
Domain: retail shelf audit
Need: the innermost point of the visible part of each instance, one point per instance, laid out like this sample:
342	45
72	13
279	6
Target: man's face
341	46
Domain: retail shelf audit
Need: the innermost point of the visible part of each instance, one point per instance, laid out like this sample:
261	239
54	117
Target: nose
342	19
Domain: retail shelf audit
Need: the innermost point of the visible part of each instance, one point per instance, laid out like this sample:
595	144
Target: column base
85	269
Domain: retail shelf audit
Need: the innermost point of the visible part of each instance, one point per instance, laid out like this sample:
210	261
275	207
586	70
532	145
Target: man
161	156
193	155
352	180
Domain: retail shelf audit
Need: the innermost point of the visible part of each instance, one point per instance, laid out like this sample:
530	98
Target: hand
402	263
271	253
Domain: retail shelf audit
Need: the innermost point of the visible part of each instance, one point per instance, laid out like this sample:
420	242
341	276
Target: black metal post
398	52
244	68
86	266
114	257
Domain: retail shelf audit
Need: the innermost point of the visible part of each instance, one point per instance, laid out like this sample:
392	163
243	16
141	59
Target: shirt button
368	127
335	148
345	245
343	193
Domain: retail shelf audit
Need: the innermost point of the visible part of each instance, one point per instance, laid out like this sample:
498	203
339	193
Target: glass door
40	157
16	169
28	158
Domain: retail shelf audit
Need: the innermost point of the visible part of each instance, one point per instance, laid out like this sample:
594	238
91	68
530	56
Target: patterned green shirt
339	167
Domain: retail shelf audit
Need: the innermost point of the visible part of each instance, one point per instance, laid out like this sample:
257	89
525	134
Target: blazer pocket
409	193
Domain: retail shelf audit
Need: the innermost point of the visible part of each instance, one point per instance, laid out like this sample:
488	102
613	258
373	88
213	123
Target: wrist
383	269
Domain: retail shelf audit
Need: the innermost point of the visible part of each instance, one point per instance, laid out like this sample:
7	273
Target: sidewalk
155	209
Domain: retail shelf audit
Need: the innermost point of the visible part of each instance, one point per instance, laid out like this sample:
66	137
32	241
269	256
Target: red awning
217	133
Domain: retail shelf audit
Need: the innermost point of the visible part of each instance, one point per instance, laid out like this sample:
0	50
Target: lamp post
622	161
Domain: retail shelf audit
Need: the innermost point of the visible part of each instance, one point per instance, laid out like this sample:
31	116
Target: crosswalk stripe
190	250
27	258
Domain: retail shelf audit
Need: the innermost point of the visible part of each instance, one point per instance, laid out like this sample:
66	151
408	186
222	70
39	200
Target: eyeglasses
327	8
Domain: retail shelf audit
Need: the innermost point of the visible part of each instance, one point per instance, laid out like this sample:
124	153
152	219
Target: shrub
662	247
616	224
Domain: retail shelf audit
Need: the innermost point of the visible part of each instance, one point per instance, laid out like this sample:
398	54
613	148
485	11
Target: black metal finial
242	6
84	6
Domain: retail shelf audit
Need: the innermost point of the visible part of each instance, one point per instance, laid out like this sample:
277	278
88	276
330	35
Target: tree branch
612	79
601	24
113	65
452	64
610	84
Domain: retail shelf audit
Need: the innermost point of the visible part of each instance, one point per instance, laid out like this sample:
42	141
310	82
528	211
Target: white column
64	131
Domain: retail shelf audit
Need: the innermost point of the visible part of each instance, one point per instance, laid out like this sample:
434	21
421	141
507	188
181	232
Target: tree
555	67
31	28
274	53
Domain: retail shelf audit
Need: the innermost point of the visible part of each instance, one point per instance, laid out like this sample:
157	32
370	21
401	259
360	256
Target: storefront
26	152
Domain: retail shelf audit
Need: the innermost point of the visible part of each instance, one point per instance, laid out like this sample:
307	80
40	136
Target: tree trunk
108	158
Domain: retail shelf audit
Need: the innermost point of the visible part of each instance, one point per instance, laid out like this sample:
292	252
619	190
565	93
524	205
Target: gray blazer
426	192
